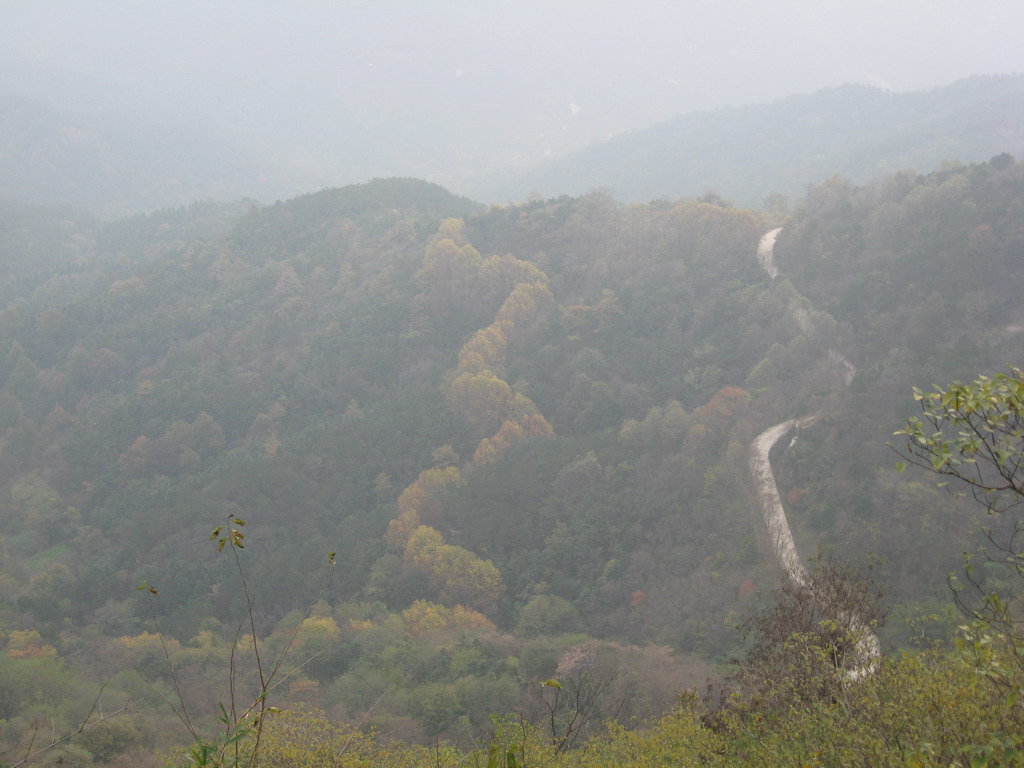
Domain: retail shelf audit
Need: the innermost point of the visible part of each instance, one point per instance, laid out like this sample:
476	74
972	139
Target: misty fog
540	369
451	91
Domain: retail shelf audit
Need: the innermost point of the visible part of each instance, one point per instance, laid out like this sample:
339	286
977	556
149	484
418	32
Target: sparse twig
238	726
86	725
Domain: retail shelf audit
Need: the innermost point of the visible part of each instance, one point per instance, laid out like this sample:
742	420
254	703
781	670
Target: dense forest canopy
521	432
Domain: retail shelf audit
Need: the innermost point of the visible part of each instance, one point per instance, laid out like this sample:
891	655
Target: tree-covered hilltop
521	430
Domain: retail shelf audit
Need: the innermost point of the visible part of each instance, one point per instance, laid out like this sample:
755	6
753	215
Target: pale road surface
779	533
766	252
760	466
766	257
771	503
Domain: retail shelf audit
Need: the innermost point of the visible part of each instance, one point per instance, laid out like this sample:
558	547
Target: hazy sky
407	86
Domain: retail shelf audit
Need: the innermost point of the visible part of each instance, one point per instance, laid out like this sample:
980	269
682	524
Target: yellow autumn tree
463	578
424	617
491	449
28	644
464	618
316	635
457	576
482	400
401	528
484	351
423	546
486	453
427	494
524	304
450	274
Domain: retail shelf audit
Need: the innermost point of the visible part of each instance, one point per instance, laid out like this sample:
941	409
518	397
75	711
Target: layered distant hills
113	165
749	152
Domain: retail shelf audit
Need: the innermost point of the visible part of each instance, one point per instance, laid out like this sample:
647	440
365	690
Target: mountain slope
747	153
511	425
115	166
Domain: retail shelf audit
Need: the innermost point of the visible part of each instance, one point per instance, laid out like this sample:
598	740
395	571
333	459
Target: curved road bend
768	492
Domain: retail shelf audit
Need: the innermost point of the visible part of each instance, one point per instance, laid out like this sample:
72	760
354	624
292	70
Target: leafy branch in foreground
973	434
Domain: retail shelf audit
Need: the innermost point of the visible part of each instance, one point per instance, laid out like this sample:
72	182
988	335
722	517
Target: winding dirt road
868	648
766	252
760	465
771	503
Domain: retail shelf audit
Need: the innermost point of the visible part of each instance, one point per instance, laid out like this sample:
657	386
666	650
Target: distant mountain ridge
747	153
113	166
118	164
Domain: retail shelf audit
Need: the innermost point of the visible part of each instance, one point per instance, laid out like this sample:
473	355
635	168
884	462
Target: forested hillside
472	441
